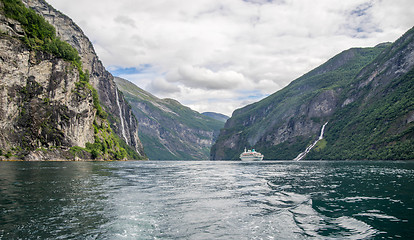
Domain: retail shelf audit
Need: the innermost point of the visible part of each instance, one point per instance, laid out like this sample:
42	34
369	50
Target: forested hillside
364	93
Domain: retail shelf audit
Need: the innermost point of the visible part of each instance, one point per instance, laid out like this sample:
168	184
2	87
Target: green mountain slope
364	93
378	121
167	129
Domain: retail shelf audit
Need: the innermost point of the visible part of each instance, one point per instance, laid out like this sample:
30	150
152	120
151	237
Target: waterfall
121	117
307	150
322	131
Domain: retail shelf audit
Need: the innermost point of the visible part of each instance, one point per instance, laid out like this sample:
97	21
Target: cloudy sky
219	55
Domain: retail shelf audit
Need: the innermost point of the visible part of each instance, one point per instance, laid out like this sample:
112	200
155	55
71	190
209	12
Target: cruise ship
251	155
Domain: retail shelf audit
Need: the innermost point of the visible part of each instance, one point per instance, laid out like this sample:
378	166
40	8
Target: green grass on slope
374	132
40	35
336	74
155	150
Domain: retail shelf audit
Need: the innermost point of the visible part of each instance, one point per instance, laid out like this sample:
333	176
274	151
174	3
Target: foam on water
206	200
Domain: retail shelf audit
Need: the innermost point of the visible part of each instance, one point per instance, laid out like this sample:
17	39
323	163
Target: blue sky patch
119	71
252	94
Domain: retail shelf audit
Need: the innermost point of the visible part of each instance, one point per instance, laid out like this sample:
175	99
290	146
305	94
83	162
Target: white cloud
219	48
161	86
197	77
125	20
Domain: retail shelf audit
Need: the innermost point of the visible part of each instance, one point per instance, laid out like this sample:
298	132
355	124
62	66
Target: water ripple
206	200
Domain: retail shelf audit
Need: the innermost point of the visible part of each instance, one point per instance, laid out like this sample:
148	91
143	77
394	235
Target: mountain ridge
283	124
169	130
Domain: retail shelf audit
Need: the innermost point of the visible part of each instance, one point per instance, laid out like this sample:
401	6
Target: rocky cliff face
169	130
114	103
48	106
40	105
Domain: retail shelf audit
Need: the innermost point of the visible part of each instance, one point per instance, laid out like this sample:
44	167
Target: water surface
206	200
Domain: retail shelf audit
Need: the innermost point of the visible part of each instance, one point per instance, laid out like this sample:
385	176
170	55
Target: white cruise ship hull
251	158
251	155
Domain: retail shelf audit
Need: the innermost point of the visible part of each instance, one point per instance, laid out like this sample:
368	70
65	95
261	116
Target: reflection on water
206	200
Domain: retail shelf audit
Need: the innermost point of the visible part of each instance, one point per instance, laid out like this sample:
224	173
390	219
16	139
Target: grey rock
100	78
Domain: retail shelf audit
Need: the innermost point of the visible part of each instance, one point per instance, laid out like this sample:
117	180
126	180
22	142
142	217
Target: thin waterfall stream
307	150
121	117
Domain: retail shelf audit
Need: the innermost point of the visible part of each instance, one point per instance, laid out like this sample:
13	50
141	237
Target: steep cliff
169	130
49	109
375	114
120	117
354	84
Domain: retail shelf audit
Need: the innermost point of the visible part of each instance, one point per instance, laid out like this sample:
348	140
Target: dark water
206	200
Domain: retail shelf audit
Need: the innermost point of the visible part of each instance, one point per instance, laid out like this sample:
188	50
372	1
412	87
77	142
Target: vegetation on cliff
364	93
283	124
379	124
40	36
379	131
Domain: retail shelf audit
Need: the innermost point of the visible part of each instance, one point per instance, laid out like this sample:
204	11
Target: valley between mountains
57	101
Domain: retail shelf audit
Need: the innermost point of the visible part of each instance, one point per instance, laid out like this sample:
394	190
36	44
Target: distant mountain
365	95
218	116
167	129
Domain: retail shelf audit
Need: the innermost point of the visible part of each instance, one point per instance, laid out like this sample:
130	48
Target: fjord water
206	200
